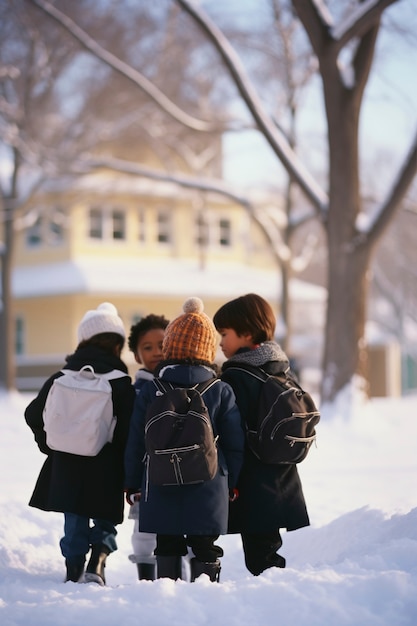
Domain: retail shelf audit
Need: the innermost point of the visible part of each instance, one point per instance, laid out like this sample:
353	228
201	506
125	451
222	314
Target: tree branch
88	163
362	60
398	191
360	20
124	69
275	138
316	20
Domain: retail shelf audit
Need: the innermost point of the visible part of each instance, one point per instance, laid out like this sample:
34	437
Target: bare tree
27	86
48	130
350	247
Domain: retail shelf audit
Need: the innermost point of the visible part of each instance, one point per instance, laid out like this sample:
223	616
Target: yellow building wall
51	322
248	243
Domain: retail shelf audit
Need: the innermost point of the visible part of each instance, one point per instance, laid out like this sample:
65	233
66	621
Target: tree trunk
7	362
345	321
348	259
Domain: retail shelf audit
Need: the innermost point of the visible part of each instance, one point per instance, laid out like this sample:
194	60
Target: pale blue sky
388	118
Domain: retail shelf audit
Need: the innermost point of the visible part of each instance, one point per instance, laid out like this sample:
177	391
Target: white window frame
46	229
102	223
142	225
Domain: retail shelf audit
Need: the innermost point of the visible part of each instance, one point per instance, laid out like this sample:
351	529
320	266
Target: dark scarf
266	351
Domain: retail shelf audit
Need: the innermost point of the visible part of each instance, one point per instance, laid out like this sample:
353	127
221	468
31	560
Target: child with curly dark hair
145	342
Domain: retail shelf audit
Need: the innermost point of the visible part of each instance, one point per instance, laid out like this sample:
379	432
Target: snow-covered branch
322	13
359	20
124	69
272	134
397	192
88	163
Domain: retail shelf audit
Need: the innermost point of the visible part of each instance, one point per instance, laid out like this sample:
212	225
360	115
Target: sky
388	120
356	565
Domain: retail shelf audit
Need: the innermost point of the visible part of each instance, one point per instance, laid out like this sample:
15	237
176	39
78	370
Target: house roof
177	277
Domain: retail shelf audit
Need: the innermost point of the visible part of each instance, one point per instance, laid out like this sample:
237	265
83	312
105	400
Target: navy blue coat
200	509
87	486
270	496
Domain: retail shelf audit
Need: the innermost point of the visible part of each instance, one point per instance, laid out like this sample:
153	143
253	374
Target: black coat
88	486
270	496
200	509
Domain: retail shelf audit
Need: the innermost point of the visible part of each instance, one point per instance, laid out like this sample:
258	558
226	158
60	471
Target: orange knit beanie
191	335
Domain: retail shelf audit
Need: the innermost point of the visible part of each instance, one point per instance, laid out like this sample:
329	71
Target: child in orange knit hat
192	515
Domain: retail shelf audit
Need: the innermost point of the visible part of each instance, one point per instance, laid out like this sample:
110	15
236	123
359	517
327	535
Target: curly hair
143	326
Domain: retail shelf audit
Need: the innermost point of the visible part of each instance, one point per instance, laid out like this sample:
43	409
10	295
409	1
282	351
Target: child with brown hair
270	496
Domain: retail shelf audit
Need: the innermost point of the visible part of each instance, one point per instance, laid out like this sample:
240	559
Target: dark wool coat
88	486
270	496
200	509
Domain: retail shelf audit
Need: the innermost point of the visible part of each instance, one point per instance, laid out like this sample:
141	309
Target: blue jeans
79	536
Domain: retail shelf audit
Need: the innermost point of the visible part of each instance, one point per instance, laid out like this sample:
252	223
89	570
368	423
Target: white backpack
78	414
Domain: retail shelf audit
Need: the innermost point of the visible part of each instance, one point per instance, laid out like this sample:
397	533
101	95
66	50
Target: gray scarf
267	351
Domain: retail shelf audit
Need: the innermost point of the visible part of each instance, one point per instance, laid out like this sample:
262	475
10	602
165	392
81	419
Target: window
119	224
224	232
107	224
202	231
34	233
56	225
19	336
141	226
48	228
164	227
96	224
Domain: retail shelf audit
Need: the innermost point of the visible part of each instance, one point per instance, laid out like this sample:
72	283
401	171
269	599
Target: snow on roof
171	277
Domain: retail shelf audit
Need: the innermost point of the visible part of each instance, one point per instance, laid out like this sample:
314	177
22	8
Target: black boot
211	569
169	567
75	570
95	567
146	571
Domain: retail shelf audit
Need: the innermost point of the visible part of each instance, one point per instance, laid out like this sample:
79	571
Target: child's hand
132	496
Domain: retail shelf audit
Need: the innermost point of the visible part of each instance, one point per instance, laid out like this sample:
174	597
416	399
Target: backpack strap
89	368
163	386
257	372
253	370
206	385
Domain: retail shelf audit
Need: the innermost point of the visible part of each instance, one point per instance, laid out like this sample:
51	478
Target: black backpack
285	421
180	443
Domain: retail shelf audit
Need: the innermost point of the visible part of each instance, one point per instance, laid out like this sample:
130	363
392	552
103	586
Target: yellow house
143	246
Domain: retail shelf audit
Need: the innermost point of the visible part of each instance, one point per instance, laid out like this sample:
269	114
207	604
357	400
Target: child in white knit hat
87	488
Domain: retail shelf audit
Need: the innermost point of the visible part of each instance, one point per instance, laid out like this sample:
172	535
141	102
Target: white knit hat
104	319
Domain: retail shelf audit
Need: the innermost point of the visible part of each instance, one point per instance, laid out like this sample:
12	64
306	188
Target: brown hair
109	342
249	314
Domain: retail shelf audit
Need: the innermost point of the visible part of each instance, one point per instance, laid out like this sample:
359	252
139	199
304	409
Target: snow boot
75	570
146	571
94	572
169	567
211	569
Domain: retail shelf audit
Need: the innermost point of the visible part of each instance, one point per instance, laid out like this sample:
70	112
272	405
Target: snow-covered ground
356	565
